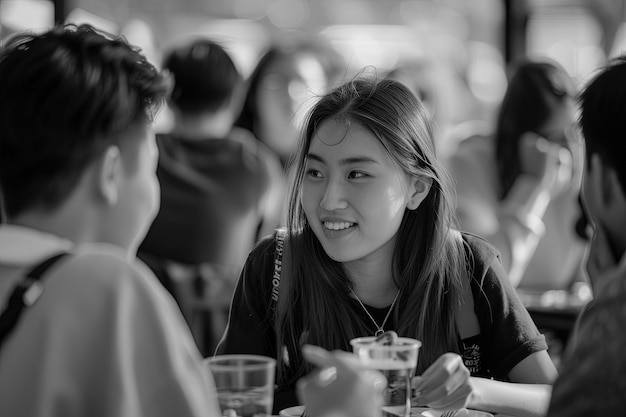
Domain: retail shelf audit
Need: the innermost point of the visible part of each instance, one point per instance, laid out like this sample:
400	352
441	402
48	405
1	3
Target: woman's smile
338	225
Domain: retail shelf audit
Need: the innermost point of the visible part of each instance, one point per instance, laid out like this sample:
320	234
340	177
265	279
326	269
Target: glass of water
245	384
397	361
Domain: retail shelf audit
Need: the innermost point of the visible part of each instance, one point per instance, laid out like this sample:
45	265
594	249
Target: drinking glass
396	361
245	384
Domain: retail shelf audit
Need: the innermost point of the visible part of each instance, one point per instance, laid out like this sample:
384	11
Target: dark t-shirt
211	192
507	333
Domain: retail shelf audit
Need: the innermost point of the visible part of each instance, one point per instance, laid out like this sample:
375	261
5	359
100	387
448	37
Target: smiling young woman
371	246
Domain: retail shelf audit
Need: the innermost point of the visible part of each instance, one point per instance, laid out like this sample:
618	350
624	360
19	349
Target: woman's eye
313	173
357	174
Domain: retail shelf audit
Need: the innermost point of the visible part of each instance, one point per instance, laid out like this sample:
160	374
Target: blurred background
455	54
470	42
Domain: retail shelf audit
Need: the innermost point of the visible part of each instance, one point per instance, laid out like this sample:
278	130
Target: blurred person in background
519	186
221	189
287	77
443	93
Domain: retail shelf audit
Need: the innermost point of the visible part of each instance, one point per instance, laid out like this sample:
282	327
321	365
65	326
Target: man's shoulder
606	313
100	267
592	376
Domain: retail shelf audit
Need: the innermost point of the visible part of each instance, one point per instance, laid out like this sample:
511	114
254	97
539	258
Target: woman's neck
372	284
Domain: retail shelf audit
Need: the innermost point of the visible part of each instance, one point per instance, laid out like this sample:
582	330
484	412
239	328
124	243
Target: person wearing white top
101	337
77	173
104	338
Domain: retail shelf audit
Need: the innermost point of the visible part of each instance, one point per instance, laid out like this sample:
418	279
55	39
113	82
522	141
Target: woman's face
353	194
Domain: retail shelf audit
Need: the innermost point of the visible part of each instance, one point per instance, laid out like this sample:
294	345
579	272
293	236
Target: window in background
80	16
17	15
376	46
568	32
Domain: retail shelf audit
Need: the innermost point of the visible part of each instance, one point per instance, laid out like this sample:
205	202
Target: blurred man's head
206	79
75	112
603	124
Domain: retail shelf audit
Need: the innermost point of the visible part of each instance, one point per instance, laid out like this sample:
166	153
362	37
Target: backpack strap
25	294
279	239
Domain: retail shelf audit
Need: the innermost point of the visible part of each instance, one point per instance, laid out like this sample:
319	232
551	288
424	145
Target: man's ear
420	187
606	180
614	193
109	175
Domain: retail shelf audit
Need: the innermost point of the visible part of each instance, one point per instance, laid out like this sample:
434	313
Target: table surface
415	412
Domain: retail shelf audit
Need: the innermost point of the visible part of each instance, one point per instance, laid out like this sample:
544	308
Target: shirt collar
21	245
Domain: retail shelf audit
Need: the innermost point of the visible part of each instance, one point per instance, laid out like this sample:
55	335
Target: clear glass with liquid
245	384
396	361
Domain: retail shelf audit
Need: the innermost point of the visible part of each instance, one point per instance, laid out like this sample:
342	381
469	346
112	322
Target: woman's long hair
314	303
536	89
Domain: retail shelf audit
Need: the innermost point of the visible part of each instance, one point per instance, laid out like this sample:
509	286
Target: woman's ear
420	187
109	175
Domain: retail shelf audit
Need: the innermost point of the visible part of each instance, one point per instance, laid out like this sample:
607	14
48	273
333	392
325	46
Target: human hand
602	264
341	385
445	385
550	163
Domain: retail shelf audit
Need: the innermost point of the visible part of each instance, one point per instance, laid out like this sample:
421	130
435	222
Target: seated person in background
287	77
593	371
519	186
77	173
221	189
370	247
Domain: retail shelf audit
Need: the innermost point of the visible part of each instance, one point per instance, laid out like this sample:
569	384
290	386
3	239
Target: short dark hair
205	77
65	95
603	116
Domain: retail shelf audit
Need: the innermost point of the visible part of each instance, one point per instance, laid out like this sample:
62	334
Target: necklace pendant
379	332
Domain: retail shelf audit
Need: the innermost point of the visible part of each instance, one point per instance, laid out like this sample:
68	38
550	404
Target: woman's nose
334	196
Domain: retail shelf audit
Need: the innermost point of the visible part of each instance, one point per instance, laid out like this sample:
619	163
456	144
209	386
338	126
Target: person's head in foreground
592	373
369	190
604	129
77	156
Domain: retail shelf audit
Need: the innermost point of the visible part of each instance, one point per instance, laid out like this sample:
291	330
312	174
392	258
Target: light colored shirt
104	338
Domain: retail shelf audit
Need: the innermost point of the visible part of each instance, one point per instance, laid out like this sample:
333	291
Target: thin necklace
380	328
